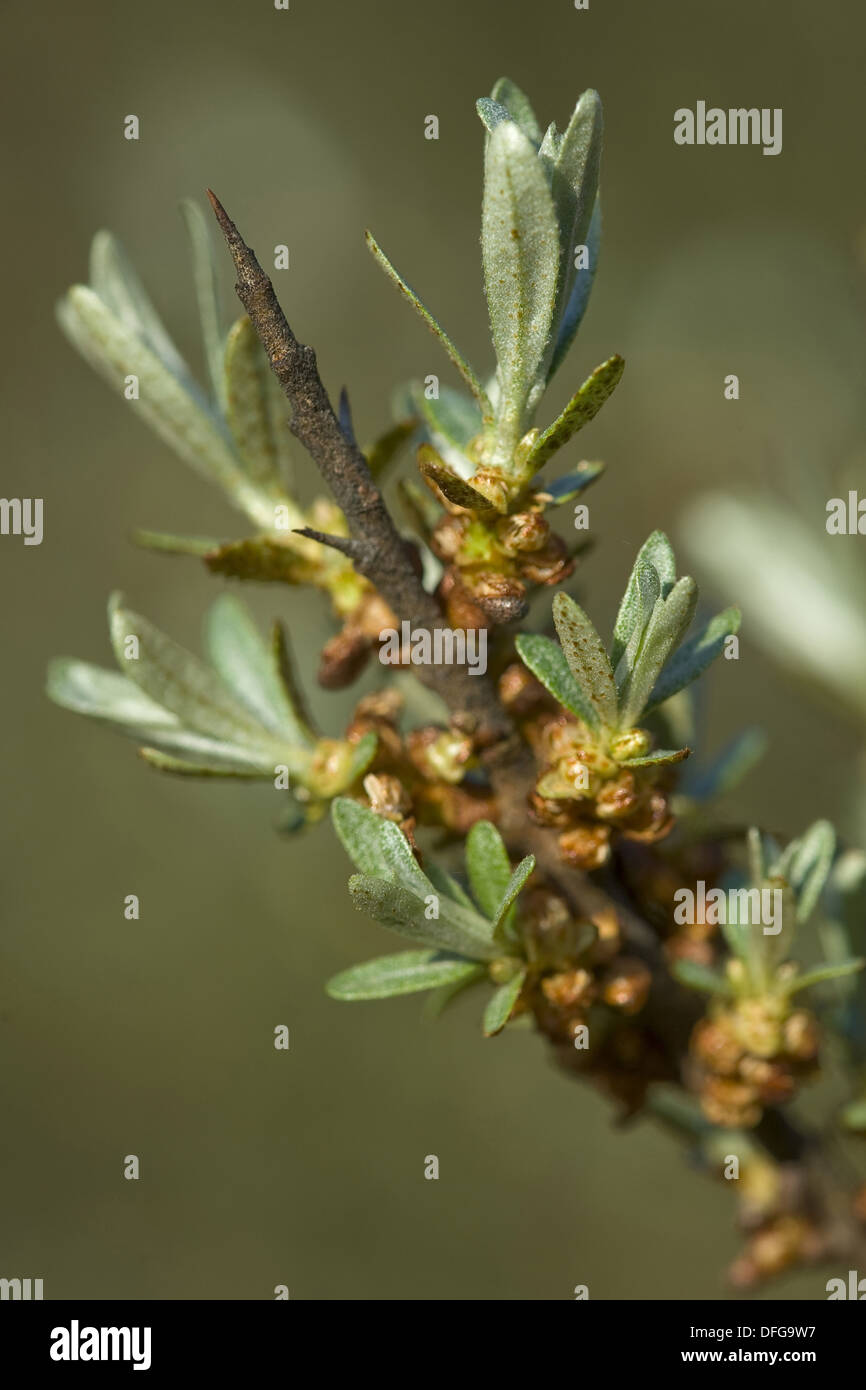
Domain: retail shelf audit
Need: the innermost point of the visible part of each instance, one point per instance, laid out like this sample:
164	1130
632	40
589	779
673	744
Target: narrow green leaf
407	972
115	281
567	488
583	407
695	656
806	863
696	976
546	660
492	113
246	664
585	654
501	1004
360	832
404	912
487	865
451	485
181	683
246	374
459	361
205	279
661	757
114	700
518	106
105	695
453	416
164	401
520	252
182	767
665	630
819	973
509	897
576	170
655	552
403	867
578	298
261	560
648	594
176	545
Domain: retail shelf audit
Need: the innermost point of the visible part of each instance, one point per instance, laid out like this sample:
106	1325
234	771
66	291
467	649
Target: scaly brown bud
551	565
343	658
626	985
713	1044
522	533
802	1036
502	598
568	989
586	847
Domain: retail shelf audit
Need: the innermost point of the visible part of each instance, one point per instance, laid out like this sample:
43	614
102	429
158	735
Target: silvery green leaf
164	401
453	416
578	296
507	93
585	654
176	545
359	831
487	865
757	855
546	660
361	754
818	974
697	976
407	972
665	630
246	664
183	767
803	608
648	592
182	684
550	147
403	867
105	695
806	864
459	361
695	656
502	915
660	758
448	887
205	280
520	252
583	407
575	180
565	489
404	912
491	112
655	552
501	1004
115	281
246	376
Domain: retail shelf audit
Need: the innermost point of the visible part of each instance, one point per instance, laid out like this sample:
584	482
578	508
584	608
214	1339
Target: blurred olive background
155	1037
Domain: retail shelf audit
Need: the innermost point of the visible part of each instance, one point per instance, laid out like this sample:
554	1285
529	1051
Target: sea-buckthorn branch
379	551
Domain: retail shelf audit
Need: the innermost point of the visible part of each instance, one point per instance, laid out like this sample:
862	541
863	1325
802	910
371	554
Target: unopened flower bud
634	743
